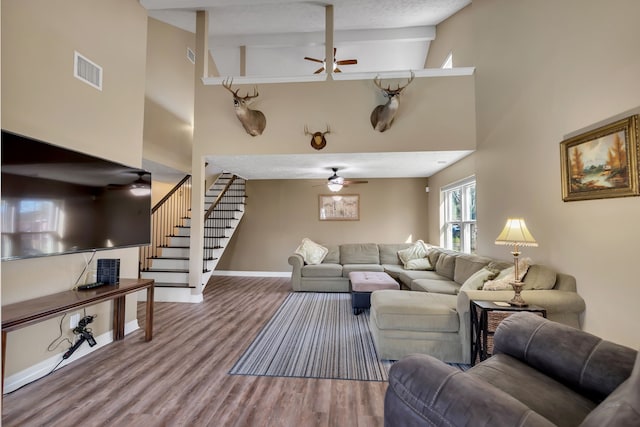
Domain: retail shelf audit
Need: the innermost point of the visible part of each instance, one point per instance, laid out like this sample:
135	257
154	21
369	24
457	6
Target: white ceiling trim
402	74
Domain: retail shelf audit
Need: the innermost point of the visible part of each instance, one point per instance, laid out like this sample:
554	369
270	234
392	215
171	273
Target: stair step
172	285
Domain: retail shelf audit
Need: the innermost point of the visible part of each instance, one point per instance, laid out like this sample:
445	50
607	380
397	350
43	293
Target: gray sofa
332	275
542	374
432	315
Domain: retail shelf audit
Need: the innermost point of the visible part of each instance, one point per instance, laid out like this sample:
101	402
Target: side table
480	333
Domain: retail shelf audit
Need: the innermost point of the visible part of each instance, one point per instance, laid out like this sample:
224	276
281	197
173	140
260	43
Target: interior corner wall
280	213
169	96
453	35
41	98
546	69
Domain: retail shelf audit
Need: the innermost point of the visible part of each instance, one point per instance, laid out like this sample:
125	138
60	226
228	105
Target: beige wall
280	213
168	104
547	69
435	114
42	99
454	35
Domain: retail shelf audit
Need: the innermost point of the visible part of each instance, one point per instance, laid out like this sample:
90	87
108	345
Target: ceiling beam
425	33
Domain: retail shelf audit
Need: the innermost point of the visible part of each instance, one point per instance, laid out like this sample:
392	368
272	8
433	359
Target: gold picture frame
339	207
601	163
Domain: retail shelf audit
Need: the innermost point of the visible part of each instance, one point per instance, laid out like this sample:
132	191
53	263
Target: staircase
166	260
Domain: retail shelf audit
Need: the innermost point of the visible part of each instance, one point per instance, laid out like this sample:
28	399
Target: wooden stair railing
169	212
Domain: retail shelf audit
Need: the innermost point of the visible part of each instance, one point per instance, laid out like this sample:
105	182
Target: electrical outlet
73	320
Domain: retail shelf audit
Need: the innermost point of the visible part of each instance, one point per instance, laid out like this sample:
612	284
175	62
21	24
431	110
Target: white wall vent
191	55
87	71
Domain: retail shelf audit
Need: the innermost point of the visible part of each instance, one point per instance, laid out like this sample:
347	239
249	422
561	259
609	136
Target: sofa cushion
348	268
418	264
311	252
467	265
433	255
448	287
416	251
415	311
322	270
477	279
359	253
553	400
393	270
408	276
389	252
446	265
333	255
539	277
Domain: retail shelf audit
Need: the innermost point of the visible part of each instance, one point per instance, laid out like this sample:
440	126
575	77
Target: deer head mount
318	140
253	121
382	116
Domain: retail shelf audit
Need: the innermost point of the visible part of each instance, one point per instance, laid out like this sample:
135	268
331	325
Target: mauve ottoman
365	282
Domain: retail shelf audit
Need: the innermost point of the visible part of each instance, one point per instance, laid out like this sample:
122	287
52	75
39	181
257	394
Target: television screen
58	201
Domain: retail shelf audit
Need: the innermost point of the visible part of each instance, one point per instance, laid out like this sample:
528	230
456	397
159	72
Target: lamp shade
516	233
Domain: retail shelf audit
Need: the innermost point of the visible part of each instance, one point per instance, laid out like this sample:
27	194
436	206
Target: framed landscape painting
601	163
344	207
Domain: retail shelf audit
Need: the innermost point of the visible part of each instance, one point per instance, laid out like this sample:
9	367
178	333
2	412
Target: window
459	216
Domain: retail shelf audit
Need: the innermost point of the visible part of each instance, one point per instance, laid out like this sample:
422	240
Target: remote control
90	286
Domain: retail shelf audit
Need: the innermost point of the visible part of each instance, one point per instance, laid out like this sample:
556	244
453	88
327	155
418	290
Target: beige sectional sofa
431	315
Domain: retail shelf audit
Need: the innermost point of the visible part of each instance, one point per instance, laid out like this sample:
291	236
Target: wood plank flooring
180	377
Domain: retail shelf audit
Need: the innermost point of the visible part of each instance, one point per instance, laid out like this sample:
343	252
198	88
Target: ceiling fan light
140	189
334	186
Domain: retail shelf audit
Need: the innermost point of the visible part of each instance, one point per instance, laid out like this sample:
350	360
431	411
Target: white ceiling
383	35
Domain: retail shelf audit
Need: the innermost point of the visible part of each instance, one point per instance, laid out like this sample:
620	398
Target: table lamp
516	234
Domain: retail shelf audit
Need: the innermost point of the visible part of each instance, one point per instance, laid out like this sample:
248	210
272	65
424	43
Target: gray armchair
542	374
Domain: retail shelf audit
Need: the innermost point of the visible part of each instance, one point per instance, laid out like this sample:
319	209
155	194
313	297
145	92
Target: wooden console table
18	315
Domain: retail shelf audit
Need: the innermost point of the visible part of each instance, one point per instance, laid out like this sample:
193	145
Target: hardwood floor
180	377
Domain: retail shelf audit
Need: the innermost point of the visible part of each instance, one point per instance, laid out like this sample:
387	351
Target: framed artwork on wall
601	163
339	207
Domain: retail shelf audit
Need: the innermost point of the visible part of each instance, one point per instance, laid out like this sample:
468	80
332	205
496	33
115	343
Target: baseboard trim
41	369
252	273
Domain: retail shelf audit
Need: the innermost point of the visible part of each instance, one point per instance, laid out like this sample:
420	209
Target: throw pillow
506	276
418	250
539	277
311	252
418	264
477	279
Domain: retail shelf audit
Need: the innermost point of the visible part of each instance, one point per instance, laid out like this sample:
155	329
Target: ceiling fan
335	63
336	182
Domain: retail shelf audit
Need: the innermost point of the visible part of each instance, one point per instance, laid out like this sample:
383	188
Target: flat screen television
58	201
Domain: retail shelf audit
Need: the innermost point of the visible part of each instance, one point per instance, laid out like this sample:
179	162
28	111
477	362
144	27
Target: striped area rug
315	335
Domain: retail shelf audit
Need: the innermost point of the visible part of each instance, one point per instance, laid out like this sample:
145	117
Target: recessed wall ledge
401	74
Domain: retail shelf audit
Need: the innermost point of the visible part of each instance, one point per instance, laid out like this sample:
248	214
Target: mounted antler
253	121
382	116
318	140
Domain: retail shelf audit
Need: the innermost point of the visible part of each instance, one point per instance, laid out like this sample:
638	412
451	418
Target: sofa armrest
425	391
297	262
582	361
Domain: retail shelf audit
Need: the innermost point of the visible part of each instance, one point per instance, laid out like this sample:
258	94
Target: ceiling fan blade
337	70
319	70
313	59
347	62
355	182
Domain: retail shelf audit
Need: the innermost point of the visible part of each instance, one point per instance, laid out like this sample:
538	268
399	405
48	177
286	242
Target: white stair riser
232	222
170	264
175	252
182	231
179	241
166	277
